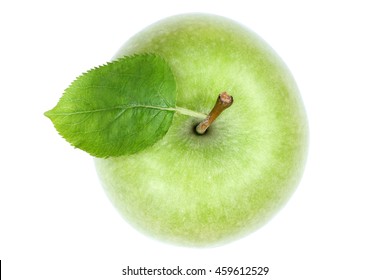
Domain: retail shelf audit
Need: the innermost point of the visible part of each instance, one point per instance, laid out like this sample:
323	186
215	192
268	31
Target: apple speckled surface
208	190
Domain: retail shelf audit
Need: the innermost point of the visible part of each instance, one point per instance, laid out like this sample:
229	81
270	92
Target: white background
55	220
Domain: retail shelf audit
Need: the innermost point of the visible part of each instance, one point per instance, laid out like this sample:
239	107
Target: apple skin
208	190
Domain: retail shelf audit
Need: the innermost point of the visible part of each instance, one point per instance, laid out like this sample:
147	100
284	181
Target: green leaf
119	108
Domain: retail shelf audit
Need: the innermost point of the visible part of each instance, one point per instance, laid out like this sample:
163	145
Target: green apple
202	190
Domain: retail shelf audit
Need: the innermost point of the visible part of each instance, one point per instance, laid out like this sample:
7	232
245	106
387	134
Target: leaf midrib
180	110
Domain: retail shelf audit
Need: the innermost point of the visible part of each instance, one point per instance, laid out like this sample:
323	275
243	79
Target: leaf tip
50	113
47	114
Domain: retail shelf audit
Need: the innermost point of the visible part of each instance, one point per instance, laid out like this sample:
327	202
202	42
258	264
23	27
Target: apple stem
224	101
